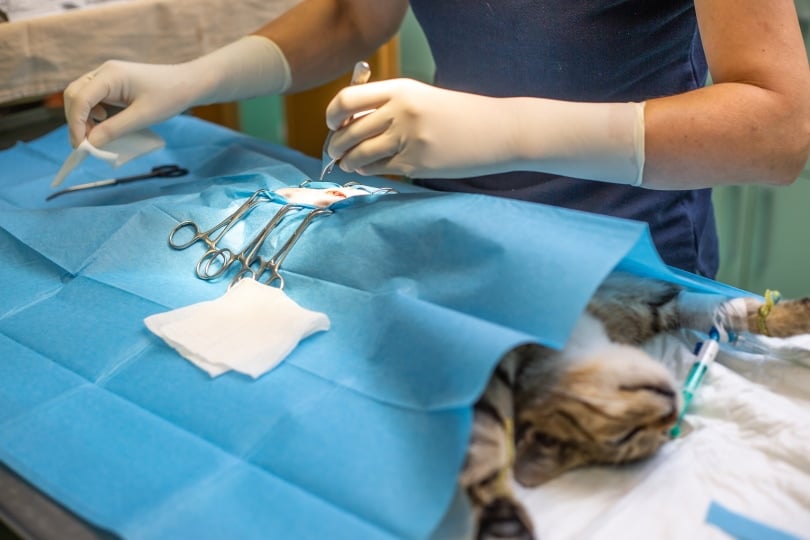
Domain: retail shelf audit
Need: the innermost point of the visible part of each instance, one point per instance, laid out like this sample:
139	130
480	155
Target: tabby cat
600	400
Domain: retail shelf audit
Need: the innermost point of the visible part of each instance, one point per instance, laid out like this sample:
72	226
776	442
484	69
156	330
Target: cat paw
503	519
784	319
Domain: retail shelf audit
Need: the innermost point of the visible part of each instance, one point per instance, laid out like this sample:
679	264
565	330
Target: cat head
614	405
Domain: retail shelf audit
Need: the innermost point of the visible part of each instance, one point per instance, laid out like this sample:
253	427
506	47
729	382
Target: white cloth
744	446
250	329
41	56
116	153
19	10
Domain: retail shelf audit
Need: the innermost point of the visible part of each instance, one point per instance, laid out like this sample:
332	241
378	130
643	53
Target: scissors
211	236
216	262
360	75
162	171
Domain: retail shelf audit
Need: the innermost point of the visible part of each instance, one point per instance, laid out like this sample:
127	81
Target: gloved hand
151	93
418	130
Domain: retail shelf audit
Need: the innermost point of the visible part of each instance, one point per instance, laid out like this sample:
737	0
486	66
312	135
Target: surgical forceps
274	263
360	75
162	171
259	197
215	262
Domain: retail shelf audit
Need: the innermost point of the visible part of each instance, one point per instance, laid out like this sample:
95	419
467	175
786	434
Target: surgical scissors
259	197
162	171
274	263
221	259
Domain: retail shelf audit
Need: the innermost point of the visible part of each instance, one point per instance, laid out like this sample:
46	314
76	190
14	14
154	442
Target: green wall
263	117
416	61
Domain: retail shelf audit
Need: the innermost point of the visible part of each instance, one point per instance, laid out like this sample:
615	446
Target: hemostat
315	198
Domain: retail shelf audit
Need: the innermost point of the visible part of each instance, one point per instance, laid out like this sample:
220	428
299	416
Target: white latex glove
151	93
418	130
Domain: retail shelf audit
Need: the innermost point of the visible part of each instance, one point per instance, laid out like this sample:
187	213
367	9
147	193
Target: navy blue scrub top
579	50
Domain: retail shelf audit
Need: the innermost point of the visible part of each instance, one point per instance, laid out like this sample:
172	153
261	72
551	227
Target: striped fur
601	400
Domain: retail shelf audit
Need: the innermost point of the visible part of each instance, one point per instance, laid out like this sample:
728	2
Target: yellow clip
505	477
771	299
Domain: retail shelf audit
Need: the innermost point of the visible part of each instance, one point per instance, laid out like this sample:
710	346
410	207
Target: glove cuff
638	135
251	66
592	141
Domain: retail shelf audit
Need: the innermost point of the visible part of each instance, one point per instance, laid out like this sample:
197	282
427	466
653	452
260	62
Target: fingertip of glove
99	136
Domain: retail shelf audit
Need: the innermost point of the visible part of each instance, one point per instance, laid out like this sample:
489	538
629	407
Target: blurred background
764	231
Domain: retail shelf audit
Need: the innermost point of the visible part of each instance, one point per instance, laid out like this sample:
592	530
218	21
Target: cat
599	400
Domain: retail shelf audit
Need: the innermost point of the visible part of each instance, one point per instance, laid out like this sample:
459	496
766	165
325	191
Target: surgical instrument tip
360	75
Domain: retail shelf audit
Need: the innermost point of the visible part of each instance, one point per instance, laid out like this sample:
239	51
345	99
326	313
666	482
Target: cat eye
544	439
664	391
522	429
632	433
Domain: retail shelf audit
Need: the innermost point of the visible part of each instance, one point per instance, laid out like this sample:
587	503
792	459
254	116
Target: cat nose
672	415
669	417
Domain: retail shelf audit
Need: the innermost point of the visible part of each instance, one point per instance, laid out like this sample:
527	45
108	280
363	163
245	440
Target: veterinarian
599	106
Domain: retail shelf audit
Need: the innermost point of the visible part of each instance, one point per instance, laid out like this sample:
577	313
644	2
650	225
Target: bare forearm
753	124
322	39
729	133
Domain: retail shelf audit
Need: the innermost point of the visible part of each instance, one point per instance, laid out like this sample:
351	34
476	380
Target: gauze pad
116	153
250	329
